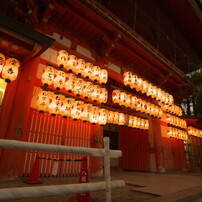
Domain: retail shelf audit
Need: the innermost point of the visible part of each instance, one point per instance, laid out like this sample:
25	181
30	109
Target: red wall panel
134	144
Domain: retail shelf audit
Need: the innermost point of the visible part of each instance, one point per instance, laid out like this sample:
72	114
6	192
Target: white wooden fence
42	191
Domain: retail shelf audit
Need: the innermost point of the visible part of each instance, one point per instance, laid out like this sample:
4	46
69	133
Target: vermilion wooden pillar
19	99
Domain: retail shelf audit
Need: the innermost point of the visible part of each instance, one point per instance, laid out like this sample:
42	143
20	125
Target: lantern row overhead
194	131
71	83
177	133
9	68
128	100
175	121
139	84
81	67
173	109
69	107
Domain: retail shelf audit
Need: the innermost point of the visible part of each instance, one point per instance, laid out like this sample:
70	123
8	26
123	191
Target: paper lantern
10	69
134	81
134	102
110	117
127	78
139	84
129	101
71	63
2	61
130	121
43	101
144	87
138	105
62	58
48	76
87	89
86	108
55	105
103	76
146	124
78	88
76	111
95	73
116	118
88	70
66	108
116	96
95	93
158	94
122	119
103	95
79	68
94	115
123	98
154	94
70	82
59	80
102	117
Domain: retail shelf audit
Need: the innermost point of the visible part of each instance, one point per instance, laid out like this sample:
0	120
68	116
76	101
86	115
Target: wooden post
107	169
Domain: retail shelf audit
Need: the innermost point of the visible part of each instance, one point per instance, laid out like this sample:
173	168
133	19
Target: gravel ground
125	194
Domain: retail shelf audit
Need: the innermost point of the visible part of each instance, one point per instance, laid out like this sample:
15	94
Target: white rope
44	191
15	144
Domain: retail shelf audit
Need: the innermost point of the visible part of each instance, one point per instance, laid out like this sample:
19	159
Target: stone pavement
169	187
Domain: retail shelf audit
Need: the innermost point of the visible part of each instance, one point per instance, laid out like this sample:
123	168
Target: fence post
107	169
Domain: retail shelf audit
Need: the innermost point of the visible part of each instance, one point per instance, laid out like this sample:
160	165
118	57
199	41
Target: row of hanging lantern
81	67
175	121
71	83
9	68
57	104
177	133
128	100
194	131
173	109
145	87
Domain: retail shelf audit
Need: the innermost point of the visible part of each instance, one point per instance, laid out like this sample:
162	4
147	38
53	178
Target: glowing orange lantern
48	76
43	101
66	108
116	118
130	121
122	119
96	73
134	81
127	78
71	63
95	93
76	111
94	115
116	96
139	84
144	87
123	98
103	76
78	88
154	94
55	105
59	80
129	101
2	61
102	117
146	124
79	69
103	95
86	109
88	70
62	58
70	82
10	69
87	89
134	102
110	117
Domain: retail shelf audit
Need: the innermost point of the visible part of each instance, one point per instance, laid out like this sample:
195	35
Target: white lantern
127	78
116	118
71	63
78	88
139	84
103	76
59	80
122	119
88	70
95	93
66	108
10	69
86	108
110	117
2	61
55	105
76	111
87	89
129	101
62	58
134	81
134	102
94	114
43	101
138	105
96	73
154	94
123	98
146	124
130	121
116	96
103	95
70	82
48	76
79	69
150	90
102	117
144	87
